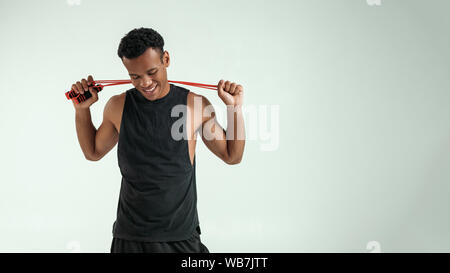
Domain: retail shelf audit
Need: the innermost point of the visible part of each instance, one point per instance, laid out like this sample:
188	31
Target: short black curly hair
138	40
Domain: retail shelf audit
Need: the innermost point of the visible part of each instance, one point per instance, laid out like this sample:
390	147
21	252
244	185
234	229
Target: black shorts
191	245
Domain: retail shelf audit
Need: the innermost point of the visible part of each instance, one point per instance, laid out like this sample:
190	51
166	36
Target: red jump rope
98	86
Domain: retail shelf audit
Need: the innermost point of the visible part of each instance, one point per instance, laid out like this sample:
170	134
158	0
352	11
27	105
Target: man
157	208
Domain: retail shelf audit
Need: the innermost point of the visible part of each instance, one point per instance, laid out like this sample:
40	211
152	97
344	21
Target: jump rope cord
118	82
99	84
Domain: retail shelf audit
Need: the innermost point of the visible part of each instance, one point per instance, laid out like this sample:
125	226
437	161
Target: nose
146	82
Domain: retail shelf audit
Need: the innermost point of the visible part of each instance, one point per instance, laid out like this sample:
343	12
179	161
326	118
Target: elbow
234	161
92	157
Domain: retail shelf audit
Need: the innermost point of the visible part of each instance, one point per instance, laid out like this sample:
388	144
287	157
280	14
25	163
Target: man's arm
227	145
96	143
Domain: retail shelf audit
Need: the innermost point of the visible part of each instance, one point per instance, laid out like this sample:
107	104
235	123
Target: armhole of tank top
191	165
123	114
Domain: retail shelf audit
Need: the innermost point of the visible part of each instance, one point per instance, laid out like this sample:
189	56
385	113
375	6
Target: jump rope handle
79	98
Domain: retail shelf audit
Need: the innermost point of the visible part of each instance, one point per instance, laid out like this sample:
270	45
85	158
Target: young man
157	208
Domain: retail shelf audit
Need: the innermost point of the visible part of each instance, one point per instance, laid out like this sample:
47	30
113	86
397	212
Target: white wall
364	141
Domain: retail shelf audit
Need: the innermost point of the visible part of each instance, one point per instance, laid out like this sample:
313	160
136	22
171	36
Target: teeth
150	90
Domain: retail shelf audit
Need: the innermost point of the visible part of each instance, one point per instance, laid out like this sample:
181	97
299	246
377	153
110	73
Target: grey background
364	139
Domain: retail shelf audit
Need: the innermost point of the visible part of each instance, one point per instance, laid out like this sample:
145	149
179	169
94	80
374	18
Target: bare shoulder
115	104
200	109
198	101
191	97
114	108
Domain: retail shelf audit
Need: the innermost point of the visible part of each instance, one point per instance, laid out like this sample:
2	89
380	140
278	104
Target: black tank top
158	195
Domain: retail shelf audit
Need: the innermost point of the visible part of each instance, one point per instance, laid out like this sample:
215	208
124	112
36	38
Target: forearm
235	133
85	132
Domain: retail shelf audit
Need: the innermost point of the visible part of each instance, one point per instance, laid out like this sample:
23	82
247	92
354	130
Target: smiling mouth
150	90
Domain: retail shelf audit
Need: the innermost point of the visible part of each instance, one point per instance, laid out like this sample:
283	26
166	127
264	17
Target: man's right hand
82	86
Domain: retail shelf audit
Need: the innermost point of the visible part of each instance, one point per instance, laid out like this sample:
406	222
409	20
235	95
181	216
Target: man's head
142	53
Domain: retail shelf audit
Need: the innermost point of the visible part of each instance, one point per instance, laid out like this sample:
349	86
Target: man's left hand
230	93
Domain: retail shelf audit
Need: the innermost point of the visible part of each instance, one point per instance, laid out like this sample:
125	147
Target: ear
166	59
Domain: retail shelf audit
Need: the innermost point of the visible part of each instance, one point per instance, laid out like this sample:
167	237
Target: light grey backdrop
363	154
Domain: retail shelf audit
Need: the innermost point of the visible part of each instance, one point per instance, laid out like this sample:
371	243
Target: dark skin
150	70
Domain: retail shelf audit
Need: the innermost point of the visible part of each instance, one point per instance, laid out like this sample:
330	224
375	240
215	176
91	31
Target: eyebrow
131	74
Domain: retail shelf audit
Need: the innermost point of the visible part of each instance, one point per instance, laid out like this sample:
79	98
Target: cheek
135	82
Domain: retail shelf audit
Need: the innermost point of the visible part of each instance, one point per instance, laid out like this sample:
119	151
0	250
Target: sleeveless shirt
158	195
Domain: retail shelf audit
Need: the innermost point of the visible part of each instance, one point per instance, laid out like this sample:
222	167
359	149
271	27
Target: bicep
105	139
107	135
212	133
214	138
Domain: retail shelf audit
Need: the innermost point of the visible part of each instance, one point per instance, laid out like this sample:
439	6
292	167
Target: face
148	74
